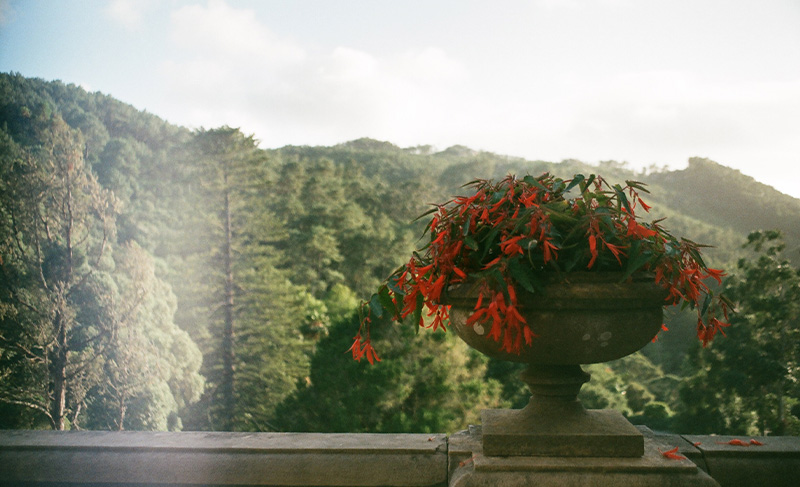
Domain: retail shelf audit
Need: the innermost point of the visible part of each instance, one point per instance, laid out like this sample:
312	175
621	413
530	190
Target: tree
748	382
151	370
249	310
57	223
85	325
430	382
766	346
334	216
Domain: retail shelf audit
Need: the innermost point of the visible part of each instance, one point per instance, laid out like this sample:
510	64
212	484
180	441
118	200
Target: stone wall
47	458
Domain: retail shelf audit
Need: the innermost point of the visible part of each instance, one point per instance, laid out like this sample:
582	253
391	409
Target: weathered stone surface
590	318
195	458
44	458
776	462
651	469
582	433
685	447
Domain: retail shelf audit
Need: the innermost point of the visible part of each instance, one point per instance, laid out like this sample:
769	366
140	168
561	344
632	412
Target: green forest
154	277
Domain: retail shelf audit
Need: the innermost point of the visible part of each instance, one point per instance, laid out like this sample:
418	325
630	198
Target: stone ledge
776	462
196	458
48	458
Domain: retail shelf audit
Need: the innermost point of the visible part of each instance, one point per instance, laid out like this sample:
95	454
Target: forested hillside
159	278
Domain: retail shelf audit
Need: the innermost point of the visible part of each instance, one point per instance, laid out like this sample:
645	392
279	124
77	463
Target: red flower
485	237
511	246
592	250
716	274
360	350
441	314
356	348
615	249
639	231
706	333
735	442
372	357
550	251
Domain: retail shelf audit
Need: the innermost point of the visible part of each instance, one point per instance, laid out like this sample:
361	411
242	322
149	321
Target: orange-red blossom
455	251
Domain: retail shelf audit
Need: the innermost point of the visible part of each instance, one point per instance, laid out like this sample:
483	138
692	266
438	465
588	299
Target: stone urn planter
569	244
581	318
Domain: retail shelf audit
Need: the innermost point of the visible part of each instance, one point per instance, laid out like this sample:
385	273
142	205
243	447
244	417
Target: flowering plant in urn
517	236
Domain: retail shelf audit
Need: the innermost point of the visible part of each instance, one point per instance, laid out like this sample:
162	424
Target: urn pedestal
554	440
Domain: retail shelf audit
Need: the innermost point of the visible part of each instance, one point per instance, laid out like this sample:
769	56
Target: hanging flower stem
513	235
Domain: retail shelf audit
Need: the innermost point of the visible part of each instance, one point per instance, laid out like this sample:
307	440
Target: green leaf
521	274
572	263
488	241
386	301
495	278
622	198
637	185
590	180
534	182
417	314
474	181
375	306
706	302
429	212
636	259
575	181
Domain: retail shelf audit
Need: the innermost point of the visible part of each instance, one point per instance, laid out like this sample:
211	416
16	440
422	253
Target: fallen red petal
673	454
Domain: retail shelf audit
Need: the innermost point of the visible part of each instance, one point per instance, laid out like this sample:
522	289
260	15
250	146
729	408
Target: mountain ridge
706	191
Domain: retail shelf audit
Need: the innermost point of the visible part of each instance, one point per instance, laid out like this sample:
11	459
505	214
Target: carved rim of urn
579	318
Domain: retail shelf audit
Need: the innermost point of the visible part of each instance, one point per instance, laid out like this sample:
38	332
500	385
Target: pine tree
251	312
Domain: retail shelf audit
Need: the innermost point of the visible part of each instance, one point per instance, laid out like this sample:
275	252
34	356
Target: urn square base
470	466
586	433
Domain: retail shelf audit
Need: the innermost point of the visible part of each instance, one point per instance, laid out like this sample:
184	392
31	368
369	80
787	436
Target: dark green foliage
751	379
709	193
312	230
150	366
425	383
55	226
63	307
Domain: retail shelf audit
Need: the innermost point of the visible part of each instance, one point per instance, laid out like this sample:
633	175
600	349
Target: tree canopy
153	277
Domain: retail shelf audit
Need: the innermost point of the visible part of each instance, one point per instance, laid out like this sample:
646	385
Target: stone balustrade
90	458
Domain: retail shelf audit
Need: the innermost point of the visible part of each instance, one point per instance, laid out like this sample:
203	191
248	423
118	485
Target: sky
648	82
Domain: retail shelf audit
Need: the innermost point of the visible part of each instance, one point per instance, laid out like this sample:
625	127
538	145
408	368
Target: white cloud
236	71
231	69
220	31
129	13
669	112
5	11
654	117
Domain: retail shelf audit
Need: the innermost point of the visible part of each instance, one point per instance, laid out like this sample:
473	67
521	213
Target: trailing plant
516	235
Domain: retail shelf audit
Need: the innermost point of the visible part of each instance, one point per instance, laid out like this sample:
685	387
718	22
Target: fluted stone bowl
580	318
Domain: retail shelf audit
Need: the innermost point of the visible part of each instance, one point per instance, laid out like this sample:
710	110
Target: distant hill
316	228
707	200
714	193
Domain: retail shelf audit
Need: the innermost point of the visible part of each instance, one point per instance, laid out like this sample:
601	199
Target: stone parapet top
771	446
771	461
200	441
47	458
